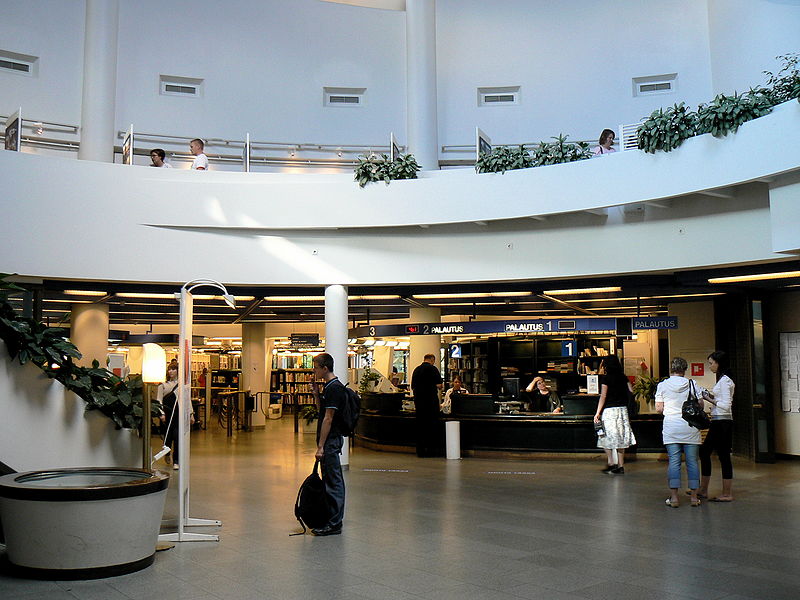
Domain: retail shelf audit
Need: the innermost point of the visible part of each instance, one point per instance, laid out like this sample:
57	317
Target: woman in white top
167	395
679	436
720	433
447	404
606	143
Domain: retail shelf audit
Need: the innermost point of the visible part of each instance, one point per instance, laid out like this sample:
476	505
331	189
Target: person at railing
606	143
157	156
197	148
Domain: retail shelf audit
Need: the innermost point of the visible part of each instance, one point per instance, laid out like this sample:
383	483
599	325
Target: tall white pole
421	109
99	80
336	340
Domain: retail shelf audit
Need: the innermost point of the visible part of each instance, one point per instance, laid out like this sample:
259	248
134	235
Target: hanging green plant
725	114
376	167
667	129
560	151
49	349
785	84
502	159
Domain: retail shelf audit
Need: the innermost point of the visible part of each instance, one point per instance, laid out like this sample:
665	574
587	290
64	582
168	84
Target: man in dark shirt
330	440
426	381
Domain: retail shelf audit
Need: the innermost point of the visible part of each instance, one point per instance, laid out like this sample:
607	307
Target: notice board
790	371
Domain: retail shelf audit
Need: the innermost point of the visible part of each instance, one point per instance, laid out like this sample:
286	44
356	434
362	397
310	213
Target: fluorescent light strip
597	290
757	277
294	298
68	301
375	297
472	295
84	293
155	295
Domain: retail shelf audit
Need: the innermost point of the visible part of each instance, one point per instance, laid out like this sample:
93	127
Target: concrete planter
82	523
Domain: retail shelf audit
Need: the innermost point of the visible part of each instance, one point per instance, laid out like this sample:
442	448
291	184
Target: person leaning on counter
542	399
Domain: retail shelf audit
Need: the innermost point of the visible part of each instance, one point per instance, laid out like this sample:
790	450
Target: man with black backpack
330	439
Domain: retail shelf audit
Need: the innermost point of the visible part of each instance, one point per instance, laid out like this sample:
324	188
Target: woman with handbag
720	433
679	436
612	412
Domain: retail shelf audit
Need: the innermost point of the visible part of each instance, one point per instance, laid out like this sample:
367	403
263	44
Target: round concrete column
254	364
89	332
423	344
99	80
421	108
336	340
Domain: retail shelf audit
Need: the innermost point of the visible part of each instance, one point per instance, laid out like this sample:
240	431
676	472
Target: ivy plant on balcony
666	129
502	159
724	114
560	151
375	167
49	349
785	84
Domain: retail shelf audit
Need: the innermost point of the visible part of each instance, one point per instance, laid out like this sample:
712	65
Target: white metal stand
184	428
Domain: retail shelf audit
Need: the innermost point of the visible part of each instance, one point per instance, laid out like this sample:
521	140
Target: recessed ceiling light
596	290
756	277
85	293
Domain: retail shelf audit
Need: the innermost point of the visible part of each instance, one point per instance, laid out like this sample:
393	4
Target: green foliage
502	159
49	349
560	151
380	168
309	412
667	129
369	376
725	114
785	84
645	388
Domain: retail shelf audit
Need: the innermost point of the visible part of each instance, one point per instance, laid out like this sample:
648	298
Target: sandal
722	499
671	503
696	502
699	495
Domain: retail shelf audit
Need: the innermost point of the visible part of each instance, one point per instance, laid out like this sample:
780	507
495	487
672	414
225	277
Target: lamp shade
154	363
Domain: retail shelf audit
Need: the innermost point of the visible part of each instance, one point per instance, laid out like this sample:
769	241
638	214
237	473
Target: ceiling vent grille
498	96
171	85
19	64
336	96
654	84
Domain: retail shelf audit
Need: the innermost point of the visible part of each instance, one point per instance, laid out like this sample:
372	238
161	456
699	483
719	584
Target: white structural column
422	125
89	332
336	339
423	344
255	372
99	80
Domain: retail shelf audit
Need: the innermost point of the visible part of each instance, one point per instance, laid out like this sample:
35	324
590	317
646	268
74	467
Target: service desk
525	432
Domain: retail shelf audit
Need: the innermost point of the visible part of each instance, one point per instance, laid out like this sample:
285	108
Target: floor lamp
154	366
184	412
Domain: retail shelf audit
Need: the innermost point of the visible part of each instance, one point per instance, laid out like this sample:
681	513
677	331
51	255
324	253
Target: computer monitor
511	386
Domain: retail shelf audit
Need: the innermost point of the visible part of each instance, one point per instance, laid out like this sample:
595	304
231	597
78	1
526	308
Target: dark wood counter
527	432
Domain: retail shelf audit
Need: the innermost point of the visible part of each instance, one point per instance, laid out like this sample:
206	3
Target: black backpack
351	410
311	507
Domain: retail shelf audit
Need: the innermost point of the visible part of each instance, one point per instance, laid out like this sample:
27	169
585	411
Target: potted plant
368	380
645	389
502	159
381	168
560	151
666	129
308	416
724	114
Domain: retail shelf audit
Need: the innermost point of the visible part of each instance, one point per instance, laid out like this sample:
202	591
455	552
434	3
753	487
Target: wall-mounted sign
698	369
455	350
13	133
590	324
654	322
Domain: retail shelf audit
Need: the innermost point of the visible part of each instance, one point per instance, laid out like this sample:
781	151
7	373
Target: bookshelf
472	367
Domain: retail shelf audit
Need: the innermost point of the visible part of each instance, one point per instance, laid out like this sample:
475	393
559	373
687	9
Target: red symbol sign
698	369
412	329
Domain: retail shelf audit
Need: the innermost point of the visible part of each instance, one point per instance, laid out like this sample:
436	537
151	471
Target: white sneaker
175	467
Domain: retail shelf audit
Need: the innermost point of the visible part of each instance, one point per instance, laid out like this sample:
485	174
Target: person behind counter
542	399
612	410
447	404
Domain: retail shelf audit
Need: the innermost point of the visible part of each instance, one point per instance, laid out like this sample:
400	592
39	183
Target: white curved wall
79	219
265	63
46	427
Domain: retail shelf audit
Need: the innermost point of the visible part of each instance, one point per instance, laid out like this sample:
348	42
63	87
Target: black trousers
333	480
719	440
429	438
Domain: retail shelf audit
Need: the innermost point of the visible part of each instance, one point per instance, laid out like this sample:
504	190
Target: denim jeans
692	467
331	467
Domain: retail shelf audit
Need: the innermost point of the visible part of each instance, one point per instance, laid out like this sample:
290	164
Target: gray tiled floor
552	529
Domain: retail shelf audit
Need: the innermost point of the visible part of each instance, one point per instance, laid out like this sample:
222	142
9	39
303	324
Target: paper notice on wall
790	371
